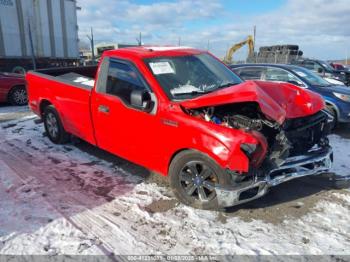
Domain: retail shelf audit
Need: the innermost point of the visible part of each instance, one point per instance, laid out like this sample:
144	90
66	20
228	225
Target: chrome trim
315	162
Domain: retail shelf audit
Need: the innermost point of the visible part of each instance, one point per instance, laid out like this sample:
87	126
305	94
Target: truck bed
82	77
68	89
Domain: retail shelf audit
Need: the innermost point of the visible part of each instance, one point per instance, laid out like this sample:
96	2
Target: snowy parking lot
77	199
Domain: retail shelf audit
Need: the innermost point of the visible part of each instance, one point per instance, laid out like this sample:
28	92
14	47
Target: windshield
185	77
310	77
327	66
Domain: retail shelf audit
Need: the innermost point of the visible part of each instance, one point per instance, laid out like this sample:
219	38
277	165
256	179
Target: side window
310	65
318	68
122	79
280	75
250	73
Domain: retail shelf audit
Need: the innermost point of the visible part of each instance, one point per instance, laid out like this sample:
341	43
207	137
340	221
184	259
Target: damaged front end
296	148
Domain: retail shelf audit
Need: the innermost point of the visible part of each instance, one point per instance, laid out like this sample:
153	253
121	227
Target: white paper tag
160	68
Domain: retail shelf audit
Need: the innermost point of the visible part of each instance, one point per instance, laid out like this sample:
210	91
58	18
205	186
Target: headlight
343	97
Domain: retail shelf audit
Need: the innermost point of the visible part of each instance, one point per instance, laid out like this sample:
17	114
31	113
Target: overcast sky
320	27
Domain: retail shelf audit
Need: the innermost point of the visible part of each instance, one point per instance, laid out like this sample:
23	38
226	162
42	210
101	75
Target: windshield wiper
192	93
227	85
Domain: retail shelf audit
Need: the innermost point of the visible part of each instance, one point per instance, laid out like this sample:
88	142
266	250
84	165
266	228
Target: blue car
337	97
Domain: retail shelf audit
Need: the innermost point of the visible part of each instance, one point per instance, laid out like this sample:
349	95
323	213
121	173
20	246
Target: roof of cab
153	51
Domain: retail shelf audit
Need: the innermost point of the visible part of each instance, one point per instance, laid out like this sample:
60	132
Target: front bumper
313	163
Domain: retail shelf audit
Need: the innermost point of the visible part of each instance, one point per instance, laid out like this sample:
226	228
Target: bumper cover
313	163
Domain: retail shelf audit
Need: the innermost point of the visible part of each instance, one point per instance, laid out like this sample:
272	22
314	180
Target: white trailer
44	29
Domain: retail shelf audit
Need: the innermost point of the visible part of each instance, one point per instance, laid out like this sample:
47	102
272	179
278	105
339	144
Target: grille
303	133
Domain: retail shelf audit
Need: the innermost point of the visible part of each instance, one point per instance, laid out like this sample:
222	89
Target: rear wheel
53	126
193	176
18	96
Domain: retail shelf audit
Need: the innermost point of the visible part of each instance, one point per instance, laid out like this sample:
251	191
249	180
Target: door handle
103	109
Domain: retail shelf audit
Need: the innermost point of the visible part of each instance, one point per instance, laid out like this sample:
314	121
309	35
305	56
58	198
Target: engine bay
294	137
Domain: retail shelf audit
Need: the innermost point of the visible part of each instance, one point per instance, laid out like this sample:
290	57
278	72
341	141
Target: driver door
119	128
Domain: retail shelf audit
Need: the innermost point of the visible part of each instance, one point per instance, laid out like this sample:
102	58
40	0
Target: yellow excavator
249	41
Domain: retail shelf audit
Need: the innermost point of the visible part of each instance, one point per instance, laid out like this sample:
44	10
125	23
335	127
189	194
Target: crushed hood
277	101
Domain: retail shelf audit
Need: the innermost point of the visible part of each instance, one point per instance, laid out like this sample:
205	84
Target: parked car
334	82
339	67
337	97
13	89
324	69
184	114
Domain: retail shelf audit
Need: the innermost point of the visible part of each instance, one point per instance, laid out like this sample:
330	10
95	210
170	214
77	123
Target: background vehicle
324	69
183	113
13	89
337	97
49	29
334	82
339	67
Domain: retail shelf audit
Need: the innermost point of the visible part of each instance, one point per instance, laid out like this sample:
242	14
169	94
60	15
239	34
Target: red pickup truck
182	113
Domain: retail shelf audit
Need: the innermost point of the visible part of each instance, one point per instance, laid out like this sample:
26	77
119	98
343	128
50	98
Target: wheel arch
227	156
330	103
207	153
44	103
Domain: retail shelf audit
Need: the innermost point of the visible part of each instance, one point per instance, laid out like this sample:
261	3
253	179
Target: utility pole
208	46
139	40
254	39
92	45
179	43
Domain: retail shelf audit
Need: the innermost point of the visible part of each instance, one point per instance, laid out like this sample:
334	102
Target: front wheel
193	176
53	126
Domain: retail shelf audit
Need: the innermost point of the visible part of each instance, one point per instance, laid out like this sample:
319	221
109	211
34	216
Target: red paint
7	82
277	101
338	66
152	140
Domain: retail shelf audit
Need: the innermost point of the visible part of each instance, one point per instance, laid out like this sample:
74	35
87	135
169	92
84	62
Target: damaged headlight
343	97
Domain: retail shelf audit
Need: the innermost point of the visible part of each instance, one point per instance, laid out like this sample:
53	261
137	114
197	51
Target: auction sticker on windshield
160	68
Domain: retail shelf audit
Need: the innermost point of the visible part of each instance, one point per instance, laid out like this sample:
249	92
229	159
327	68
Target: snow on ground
69	200
12	112
10	109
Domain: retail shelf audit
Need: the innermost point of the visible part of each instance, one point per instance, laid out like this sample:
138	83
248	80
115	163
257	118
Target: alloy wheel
52	125
198	181
20	96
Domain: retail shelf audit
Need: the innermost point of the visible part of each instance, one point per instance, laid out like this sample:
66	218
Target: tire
190	173
333	112
53	126
18	96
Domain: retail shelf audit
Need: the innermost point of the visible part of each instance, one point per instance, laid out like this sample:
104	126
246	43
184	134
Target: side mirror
141	99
